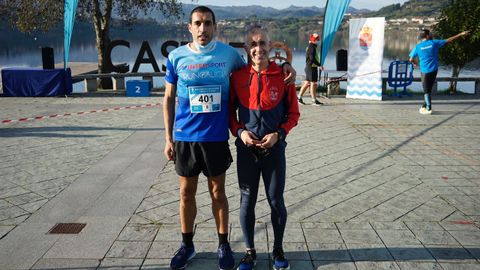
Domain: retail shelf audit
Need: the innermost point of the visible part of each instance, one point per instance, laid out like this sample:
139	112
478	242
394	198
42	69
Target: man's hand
291	74
268	140
169	151
465	33
411	60
248	138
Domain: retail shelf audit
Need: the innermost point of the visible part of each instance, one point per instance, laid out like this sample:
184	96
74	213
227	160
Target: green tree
33	15
461	15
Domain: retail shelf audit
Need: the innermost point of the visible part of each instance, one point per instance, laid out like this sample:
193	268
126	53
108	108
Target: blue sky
280	4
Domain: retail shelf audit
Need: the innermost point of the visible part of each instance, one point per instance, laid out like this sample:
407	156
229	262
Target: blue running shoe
248	261
225	257
182	256
279	260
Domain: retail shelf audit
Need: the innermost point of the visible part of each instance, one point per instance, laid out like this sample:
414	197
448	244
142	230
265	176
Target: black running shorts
211	158
311	74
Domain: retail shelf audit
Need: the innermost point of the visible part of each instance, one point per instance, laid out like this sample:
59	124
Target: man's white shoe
424	110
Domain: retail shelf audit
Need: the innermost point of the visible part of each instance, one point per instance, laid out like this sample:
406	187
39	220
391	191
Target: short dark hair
202	9
425	33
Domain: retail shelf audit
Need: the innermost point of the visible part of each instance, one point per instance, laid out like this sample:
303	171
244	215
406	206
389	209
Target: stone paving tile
436	238
14	221
459	225
460	266
360	237
395	225
328	252
169	233
128	249
376	265
84	264
138	233
162	250
474	251
333	265
33	206
419	265
353	226
467	238
393	238
410	253
120	263
424	226
323	236
369	252
320	225
445	253
156	264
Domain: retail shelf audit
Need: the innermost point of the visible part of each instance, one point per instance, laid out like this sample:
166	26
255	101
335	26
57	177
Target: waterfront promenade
370	185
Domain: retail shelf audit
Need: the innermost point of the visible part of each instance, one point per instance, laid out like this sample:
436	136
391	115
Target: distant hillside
239	12
412	8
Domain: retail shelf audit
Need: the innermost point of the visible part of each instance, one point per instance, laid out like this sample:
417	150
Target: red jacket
264	103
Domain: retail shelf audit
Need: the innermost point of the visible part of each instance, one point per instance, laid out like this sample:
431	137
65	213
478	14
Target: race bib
205	99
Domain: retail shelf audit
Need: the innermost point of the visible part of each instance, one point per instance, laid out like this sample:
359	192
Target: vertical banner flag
366	41
334	11
70	9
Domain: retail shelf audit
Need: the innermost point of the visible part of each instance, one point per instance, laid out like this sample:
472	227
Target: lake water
397	46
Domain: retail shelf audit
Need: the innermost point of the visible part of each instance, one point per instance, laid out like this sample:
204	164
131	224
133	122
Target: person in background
263	111
311	70
427	52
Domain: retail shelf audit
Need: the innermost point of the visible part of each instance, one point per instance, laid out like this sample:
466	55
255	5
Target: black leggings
272	166
428	79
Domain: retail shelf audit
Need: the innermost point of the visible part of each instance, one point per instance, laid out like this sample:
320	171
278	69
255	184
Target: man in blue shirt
196	132
427	52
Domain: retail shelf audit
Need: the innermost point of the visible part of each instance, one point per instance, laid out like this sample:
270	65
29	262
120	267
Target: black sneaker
300	100
248	261
315	102
279	260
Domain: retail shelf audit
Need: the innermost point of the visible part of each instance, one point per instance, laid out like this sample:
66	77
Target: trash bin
342	60
138	88
48	60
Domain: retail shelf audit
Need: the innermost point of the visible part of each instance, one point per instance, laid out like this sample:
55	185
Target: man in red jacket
267	110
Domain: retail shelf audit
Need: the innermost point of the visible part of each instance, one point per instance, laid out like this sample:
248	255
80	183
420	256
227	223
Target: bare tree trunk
102	38
453	84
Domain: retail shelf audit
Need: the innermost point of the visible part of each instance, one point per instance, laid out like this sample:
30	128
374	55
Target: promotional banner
366	41
334	11
70	9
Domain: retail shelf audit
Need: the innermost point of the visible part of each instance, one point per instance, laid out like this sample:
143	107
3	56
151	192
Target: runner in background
311	70
427	52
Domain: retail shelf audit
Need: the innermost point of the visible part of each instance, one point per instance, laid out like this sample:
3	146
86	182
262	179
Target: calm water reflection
26	51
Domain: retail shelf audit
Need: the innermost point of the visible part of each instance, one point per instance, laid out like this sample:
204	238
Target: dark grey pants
271	166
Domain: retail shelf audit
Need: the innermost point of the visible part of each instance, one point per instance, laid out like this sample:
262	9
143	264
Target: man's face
258	48
202	28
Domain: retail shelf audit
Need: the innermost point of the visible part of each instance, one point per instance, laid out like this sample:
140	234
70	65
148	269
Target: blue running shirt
203	84
427	52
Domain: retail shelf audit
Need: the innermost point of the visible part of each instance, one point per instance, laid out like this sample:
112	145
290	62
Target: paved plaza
370	185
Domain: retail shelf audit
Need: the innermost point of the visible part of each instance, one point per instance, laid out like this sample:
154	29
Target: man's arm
452	38
413	55
168	118
290	73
